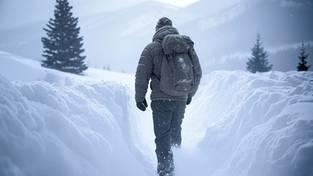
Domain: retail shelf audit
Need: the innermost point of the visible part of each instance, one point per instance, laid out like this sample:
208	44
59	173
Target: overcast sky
18	12
180	3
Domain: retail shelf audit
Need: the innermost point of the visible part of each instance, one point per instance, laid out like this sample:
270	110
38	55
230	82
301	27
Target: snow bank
62	124
246	124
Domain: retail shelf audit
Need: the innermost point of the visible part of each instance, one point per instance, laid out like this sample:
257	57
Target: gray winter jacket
149	67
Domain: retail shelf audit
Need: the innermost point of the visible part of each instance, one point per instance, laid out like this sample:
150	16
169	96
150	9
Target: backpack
177	70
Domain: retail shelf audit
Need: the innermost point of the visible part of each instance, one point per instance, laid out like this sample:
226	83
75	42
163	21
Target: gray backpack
177	71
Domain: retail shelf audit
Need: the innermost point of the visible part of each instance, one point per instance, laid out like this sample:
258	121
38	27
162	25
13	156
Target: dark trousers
167	120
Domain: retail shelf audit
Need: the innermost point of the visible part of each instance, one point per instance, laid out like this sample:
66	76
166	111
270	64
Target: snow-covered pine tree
303	56
63	45
258	62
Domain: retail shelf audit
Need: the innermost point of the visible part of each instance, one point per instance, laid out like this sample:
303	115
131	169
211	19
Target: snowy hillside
224	31
54	123
24	12
105	34
231	32
119	37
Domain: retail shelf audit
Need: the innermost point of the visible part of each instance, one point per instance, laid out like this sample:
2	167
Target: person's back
168	109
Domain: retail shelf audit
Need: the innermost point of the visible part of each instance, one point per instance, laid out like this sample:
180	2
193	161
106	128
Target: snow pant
167	120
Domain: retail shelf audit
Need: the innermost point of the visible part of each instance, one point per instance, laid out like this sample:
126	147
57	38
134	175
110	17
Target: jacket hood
164	31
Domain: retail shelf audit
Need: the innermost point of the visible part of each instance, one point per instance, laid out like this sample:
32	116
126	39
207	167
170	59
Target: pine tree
63	45
303	56
258	62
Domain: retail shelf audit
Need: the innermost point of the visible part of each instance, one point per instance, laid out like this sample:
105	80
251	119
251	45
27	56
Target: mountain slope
117	39
110	38
23	11
234	31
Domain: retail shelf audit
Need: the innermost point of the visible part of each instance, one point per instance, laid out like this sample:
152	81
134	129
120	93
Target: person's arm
143	75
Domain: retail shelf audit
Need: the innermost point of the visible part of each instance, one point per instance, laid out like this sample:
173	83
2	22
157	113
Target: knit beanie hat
163	22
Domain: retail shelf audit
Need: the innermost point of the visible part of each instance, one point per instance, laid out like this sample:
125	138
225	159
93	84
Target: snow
242	124
253	124
54	125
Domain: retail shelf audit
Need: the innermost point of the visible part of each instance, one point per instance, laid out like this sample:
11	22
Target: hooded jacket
149	67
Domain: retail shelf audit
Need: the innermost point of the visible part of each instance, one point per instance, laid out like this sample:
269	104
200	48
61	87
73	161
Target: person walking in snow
172	64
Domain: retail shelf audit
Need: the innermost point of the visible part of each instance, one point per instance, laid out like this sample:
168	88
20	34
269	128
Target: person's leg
177	120
162	117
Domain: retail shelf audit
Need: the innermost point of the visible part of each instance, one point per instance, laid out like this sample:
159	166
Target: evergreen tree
63	45
303	56
258	62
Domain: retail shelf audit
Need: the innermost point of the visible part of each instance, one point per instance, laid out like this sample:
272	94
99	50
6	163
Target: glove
142	105
188	100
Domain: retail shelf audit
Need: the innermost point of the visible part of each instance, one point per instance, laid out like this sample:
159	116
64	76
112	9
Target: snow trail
239	124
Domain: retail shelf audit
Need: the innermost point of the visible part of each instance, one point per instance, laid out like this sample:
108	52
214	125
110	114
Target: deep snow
239	124
60	124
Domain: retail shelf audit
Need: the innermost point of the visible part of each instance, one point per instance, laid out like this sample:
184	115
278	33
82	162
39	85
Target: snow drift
239	124
59	124
253	124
